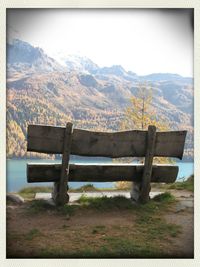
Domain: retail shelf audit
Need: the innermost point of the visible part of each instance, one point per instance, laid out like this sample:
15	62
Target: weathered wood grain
170	144
100	173
49	139
59	193
146	178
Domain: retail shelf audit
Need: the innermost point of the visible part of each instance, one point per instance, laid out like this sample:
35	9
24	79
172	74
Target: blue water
16	172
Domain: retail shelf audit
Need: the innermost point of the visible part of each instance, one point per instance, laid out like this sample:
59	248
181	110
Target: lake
16	172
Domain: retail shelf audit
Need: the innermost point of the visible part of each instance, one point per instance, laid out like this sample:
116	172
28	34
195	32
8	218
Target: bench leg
146	178
59	198
136	191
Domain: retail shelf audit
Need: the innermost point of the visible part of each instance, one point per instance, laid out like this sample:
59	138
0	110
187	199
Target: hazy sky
141	40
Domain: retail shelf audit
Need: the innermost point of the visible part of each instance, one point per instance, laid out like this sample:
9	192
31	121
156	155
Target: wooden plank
170	144
146	178
100	173
60	195
45	139
48	139
118	144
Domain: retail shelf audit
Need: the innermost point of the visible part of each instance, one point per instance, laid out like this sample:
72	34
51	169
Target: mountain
21	56
166	77
78	63
86	65
41	90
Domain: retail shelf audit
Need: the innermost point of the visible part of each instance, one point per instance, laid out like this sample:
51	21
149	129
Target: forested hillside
41	90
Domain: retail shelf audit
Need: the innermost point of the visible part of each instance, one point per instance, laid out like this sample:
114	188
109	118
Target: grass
94	203
166	197
29	192
107	246
106	203
150	221
137	245
38	206
111	247
154	227
103	204
32	234
185	185
42	206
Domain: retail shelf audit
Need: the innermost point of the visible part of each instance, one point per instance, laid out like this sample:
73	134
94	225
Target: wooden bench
66	141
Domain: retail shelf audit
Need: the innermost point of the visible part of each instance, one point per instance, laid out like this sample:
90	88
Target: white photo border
98	4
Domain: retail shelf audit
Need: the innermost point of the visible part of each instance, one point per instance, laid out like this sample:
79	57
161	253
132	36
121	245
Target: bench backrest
48	139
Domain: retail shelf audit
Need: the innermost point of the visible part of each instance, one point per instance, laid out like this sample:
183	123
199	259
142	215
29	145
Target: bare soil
33	235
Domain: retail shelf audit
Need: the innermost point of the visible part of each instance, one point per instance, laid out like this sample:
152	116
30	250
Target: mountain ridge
90	96
21	55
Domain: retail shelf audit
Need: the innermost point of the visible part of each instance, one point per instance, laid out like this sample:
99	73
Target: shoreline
177	161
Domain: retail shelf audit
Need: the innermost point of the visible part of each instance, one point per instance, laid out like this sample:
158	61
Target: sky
144	41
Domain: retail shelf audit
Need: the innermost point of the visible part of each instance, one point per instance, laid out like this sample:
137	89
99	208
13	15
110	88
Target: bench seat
100	173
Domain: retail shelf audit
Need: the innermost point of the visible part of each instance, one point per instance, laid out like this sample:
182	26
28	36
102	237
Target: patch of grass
41	206
37	206
155	228
67	210
106	203
29	192
99	229
113	247
150	207
32	233
166	197
150	222
157	205
174	230
103	204
128	248
185	185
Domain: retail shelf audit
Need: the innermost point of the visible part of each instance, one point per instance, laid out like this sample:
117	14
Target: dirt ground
29	236
184	216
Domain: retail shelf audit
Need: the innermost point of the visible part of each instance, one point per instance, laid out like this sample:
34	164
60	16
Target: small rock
14	198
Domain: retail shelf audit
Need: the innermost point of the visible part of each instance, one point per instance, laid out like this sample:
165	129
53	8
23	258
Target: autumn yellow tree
139	115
